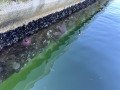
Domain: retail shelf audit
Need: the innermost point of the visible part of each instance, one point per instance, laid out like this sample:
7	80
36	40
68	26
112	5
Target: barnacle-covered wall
14	57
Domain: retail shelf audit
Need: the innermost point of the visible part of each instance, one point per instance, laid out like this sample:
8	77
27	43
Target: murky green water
86	61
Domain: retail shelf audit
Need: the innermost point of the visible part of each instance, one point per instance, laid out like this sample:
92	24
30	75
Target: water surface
92	60
81	60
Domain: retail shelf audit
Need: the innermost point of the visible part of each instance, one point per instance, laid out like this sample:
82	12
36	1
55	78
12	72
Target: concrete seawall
16	14
13	36
29	40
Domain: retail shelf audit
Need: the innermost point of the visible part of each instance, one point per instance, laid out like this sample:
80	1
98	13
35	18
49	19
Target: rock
16	65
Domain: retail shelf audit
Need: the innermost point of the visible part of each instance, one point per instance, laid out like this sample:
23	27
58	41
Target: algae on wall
25	50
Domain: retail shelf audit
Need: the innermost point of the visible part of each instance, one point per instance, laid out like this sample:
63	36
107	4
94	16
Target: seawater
84	60
92	60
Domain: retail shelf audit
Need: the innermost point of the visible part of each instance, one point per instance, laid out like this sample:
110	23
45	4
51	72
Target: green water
89	60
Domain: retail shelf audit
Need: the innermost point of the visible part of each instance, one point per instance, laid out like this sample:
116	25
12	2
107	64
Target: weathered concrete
29	43
17	14
13	36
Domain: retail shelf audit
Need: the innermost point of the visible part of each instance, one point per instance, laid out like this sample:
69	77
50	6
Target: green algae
38	60
38	63
41	62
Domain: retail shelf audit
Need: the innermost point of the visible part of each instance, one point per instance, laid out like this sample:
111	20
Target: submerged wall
32	39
